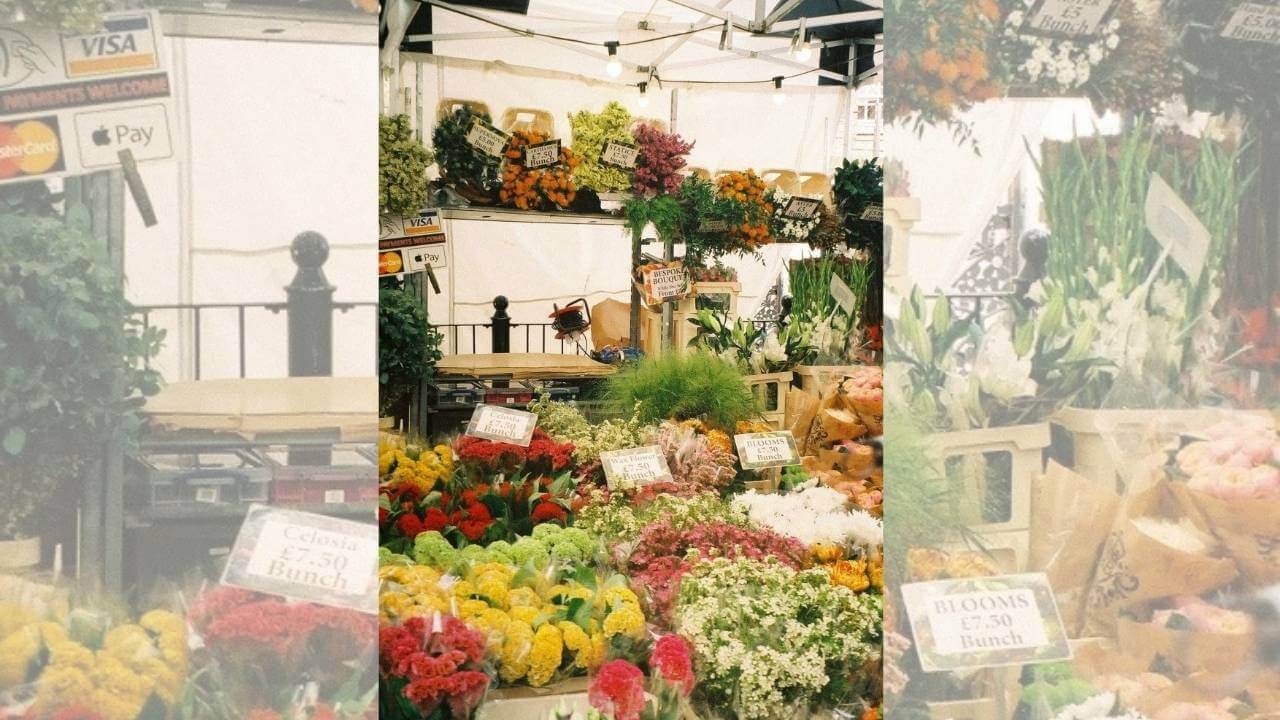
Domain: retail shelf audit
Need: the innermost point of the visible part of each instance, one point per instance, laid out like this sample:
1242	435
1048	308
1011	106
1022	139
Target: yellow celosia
626	620
544	658
17	651
515	651
524	614
578	642
616	595
523	597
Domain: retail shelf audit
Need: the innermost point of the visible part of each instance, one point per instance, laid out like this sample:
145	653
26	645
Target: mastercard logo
30	147
390	263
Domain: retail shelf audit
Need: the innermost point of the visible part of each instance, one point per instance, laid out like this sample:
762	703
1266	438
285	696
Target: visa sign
125	44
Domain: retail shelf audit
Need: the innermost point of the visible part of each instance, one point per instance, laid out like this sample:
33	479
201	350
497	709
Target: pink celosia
618	690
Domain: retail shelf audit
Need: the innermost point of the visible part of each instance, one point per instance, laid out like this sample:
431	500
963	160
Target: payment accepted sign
72	103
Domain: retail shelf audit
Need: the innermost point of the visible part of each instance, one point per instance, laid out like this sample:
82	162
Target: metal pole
501	325
635	292
310	299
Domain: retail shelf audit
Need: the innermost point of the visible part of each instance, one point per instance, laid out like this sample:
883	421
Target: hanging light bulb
800	43
803	51
614	68
644	94
779	97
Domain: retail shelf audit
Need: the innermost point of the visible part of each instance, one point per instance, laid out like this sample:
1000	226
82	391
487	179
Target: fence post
310	308
501	325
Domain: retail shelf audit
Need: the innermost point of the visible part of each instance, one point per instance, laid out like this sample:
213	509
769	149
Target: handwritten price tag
1254	22
801	208
757	451
619	154
843	295
492	422
873	212
543	154
713	226
665	284
985	622
304	556
487	139
1069	18
626	469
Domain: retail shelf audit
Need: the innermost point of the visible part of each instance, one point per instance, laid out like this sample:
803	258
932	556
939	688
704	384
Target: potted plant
74	367
467	169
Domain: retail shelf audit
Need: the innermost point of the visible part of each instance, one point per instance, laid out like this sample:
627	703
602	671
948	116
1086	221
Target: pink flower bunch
433	667
1239	461
618	690
1204	617
662	556
672	661
659	161
694	459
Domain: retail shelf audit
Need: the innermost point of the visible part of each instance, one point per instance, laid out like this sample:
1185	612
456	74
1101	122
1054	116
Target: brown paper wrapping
840	425
1135	568
1250	530
1187	651
1070	518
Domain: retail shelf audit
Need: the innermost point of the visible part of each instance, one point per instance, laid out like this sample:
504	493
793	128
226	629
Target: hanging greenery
79	16
462	165
858	183
408	347
402	167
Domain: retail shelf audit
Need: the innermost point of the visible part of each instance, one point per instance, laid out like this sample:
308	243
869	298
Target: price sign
874	212
1068	18
543	154
757	451
985	622
843	295
713	226
801	208
627	469
665	284
487	139
619	154
493	422
1176	227
1254	22
304	556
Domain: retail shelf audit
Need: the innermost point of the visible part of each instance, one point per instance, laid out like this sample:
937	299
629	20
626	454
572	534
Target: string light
779	97
644	94
800	43
614	68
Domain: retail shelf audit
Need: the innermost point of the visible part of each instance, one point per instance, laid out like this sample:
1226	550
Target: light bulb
804	52
614	68
779	97
644	95
644	101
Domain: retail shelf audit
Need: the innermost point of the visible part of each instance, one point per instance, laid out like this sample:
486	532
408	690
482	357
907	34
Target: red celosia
410	525
618	690
435	668
435	520
548	512
671	660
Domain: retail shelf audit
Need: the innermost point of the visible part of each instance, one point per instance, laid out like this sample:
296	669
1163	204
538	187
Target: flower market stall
651	379
1081	417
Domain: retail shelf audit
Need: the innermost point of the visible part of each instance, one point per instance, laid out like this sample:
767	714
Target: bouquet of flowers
564	423
769	640
622	516
548	543
617	692
266	655
700	459
1052	64
538	626
786	229
813	516
658	164
541	188
432	669
591	132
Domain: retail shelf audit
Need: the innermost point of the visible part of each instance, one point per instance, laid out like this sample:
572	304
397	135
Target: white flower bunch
1096	708
787	229
1058	64
815	515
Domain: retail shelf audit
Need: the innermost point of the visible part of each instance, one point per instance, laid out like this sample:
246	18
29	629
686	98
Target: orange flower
930	60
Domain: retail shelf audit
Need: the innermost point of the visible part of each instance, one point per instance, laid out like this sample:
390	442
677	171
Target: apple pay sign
101	135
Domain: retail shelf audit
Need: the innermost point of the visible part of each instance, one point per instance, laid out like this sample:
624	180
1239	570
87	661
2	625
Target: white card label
619	154
985	622
1176	227
713	226
1254	22
543	154
873	211
487	139
307	557
632	468
500	424
801	208
1073	18
843	295
757	451
665	284
335	497
207	495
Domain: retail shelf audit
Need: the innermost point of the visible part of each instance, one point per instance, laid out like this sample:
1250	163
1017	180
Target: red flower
435	520
505	489
548	512
671	660
618	691
474	529
410	526
382	516
440	667
478	511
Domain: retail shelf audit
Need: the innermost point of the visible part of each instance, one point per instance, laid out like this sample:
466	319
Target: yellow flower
617	596
14	618
496	589
597	649
626	620
470	608
578	642
524	597
60	685
385	460
515	651
524	614
719	440
544	658
17	652
851	574
826	553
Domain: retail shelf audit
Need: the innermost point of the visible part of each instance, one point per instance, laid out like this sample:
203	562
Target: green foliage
663	211
73	354
408	347
460	163
856	184
402	167
683	386
691	216
810	282
591	131
78	16
756	349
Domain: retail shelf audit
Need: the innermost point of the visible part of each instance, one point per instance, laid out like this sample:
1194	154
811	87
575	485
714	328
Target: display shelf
497	214
146	517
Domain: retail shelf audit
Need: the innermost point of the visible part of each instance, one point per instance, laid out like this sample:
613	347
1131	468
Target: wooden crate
812	378
771	390
684	310
1025	445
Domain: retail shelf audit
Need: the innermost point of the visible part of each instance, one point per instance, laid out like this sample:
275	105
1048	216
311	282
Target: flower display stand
1024	445
900	214
19	554
1102	439
770	390
981	709
723	294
